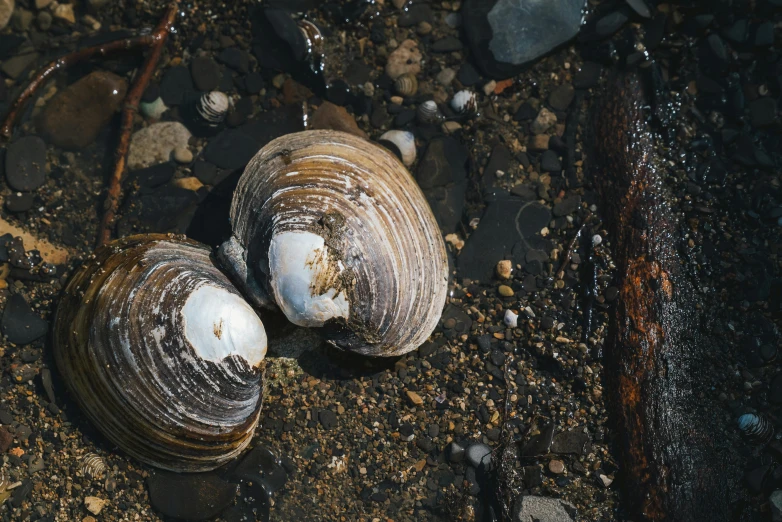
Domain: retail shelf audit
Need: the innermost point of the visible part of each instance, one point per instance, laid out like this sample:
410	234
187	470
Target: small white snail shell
213	107
465	102
161	352
333	230
403	141
428	112
406	85
756	428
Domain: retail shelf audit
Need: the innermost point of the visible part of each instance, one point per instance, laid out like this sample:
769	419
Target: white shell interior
404	141
298	259
219	323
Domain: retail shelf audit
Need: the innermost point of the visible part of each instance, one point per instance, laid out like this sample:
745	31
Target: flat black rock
19	202
442	175
253	83
447	45
509	227
561	97
468	76
25	163
572	442
588	75
231	149
205	73
549	162
261	462
192	496
177	87
235	58
153	176
567	206
19	323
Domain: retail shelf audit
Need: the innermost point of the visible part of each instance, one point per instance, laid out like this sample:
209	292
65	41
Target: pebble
6	10
479	455
507	34
530	508
543	121
588	75
505	291
44	20
231	149
193	496
6	438
447	45
191	183
404	59
442	175
206	73
510	319
19	202
19	323
153	110
94	504
455	452
504	269
235	58
775	501
561	97
331	116
65	12
556	466
25	163
154	144
446	76
572	442
177	87
183	155
414	398
75	116
262	465
549	162
605	480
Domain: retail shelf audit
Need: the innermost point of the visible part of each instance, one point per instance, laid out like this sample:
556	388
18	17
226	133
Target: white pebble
596	239
183	155
511	319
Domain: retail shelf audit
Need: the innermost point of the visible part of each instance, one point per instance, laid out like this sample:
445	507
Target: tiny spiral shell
756	428
93	465
406	85
428	112
213	107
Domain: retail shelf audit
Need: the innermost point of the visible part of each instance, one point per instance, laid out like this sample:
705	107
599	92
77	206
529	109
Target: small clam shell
756	428
161	352
213	107
404	142
428	112
313	36
333	230
406	85
465	102
93	465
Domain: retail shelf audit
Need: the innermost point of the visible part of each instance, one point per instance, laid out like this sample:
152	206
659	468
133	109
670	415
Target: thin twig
130	108
572	246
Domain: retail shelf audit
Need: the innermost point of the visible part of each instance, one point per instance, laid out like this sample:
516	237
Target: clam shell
403	141
465	102
161	352
406	85
213	107
344	215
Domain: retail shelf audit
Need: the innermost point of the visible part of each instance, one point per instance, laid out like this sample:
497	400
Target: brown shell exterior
152	396
368	208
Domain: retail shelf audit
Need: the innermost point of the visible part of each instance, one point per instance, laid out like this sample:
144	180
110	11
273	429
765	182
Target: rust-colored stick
673	458
61	63
158	40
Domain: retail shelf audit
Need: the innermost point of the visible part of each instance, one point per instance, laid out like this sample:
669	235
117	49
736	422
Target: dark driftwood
153	41
668	432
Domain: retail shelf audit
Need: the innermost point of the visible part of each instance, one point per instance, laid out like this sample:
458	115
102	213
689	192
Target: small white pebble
511	319
596	239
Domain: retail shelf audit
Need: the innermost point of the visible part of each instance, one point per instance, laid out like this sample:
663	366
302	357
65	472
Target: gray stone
15	66
775	500
6	9
543	509
154	144
526	29
479	455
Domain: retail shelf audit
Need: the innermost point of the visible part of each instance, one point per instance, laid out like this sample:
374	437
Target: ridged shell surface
213	107
381	264
161	352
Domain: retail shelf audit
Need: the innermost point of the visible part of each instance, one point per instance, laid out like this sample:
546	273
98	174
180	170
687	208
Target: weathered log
674	465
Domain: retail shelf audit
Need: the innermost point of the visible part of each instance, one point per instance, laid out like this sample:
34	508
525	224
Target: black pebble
567	205
231	149
328	419
611	23
151	93
763	111
467	75
549	162
525	112
240	113
447	45
561	97
205	73
236	59
192	496
588	75
177	86
21	493
25	163
153	176
253	83
205	172
19	323
19	202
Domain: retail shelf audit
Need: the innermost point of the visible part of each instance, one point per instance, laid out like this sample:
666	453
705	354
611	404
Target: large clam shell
161	352
334	230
